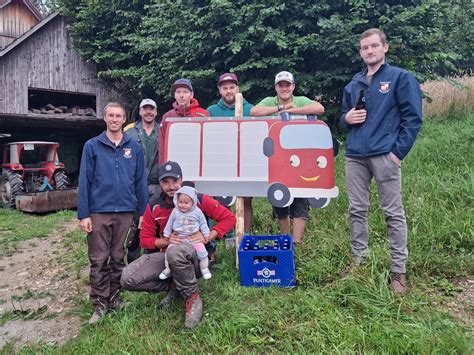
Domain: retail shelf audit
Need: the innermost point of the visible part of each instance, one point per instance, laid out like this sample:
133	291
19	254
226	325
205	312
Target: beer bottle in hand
360	105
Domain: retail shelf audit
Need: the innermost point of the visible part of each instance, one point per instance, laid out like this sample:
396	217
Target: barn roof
29	5
28	33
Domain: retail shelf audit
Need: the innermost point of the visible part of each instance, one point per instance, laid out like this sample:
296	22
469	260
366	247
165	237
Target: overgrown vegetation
452	96
327	313
143	46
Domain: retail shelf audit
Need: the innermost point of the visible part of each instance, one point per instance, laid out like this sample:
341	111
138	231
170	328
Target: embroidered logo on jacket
384	87
127	152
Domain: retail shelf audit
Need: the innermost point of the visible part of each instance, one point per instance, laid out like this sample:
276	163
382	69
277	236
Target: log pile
64	110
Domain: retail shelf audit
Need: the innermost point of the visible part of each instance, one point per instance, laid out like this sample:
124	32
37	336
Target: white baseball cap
284	76
148	102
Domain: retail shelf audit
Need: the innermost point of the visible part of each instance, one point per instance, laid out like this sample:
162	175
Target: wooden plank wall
15	19
46	60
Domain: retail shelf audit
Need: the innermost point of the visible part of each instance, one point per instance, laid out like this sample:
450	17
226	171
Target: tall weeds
453	96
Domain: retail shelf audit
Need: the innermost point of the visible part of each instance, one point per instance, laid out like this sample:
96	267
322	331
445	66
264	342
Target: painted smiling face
305	156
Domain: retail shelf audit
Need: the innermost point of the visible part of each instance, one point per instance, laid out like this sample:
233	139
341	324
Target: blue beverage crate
263	268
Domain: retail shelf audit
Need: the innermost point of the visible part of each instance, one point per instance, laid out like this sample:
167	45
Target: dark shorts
298	209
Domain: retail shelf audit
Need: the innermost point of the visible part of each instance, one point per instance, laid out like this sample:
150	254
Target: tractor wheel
11	185
61	180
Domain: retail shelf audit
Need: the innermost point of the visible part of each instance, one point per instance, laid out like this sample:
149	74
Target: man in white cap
145	131
298	211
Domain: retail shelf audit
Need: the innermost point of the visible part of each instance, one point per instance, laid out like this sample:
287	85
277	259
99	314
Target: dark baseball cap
228	77
169	169
182	83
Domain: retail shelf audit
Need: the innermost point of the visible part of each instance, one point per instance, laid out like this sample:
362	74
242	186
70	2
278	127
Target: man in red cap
228	87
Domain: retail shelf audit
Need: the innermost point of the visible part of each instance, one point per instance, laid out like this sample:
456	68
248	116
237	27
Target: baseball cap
182	83
284	76
149	102
169	169
228	77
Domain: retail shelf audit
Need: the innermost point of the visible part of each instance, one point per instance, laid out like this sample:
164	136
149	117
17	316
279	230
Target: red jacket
162	210
193	110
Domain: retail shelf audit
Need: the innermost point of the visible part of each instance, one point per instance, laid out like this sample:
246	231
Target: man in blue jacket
112	185
382	129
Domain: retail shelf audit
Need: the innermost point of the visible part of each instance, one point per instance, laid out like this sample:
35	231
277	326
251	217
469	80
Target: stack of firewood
64	110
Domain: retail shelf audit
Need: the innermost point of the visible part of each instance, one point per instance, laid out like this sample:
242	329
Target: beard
229	101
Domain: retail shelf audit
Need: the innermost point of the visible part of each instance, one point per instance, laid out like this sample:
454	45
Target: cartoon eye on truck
255	157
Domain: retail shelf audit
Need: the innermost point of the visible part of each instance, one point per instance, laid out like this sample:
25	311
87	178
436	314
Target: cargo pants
106	252
143	273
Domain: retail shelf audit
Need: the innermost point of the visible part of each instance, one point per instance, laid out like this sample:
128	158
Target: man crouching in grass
143	274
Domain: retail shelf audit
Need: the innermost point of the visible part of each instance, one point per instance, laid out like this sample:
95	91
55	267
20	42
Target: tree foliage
145	45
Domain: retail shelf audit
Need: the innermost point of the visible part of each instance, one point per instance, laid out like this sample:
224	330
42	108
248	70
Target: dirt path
461	305
36	290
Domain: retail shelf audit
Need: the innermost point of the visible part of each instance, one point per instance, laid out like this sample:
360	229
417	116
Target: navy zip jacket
393	103
112	179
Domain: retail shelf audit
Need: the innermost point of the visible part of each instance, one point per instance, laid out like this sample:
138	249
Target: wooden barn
47	91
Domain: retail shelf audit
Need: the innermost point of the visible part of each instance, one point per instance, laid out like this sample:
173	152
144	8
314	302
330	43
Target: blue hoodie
112	178
393	102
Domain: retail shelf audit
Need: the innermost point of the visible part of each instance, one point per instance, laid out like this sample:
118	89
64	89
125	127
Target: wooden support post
239	204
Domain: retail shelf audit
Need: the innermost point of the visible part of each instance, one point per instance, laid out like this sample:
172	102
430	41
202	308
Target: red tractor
30	167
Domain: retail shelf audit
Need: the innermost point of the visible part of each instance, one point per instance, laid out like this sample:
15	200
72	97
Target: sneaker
193	311
398	283
170	296
165	274
99	313
206	274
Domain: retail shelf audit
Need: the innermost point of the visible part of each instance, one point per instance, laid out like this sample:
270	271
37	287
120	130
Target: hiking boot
99	313
193	311
170	296
117	303
212	260
398	283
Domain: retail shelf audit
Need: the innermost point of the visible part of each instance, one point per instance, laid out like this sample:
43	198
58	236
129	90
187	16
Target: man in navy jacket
382	130
112	185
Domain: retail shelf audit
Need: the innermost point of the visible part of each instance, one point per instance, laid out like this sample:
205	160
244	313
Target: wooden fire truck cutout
255	157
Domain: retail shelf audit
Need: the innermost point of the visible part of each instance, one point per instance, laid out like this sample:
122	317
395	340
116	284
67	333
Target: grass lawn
16	227
327	313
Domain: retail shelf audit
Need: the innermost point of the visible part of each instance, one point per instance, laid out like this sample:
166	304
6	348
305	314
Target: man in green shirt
297	105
